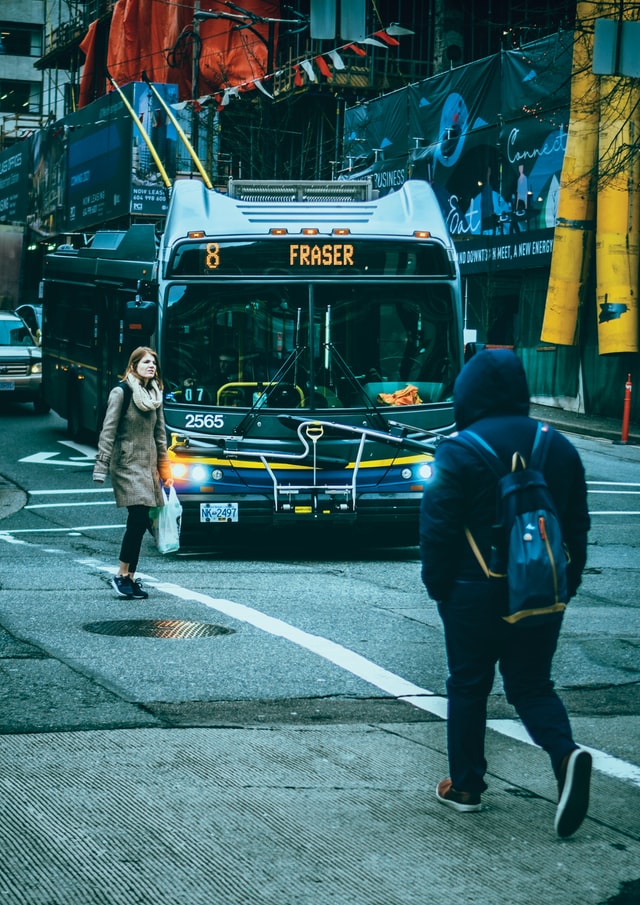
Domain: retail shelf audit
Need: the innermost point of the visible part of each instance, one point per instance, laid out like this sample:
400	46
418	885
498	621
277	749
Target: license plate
218	512
7	385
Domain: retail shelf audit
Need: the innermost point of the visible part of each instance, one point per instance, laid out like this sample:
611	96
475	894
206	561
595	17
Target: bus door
114	347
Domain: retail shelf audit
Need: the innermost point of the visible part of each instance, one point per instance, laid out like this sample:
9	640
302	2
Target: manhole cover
158	628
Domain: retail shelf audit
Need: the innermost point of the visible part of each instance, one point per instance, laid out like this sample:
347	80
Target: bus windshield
309	345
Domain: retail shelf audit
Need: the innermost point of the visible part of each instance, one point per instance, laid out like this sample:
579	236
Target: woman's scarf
146	398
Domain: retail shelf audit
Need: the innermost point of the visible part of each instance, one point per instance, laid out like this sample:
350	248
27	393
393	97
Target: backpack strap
490	457
127	393
486	452
478	555
540	447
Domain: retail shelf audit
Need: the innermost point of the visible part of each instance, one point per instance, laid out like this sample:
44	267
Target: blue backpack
528	548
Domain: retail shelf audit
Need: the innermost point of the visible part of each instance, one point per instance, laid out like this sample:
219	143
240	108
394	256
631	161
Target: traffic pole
626	410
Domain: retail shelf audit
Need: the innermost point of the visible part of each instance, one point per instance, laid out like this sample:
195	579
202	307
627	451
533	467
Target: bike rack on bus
314	430
310	431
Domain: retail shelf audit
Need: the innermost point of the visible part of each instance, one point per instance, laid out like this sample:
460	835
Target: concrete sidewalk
298	814
586	425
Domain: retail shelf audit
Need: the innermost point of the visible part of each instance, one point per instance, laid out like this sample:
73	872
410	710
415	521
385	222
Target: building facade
21	85
292	100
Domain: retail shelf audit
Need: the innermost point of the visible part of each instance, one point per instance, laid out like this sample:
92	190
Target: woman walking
132	449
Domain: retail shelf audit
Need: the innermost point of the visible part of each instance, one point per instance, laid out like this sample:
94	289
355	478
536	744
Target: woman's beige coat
133	453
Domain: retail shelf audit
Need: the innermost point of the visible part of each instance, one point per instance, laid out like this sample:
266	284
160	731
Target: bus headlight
195	474
425	471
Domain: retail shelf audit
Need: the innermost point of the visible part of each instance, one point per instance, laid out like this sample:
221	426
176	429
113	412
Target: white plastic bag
167	523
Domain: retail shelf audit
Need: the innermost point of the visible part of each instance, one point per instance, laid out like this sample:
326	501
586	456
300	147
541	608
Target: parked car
20	363
32	316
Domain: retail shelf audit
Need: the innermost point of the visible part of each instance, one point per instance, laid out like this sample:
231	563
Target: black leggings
137	523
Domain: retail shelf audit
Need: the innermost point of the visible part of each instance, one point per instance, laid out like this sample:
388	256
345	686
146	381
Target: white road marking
359	666
48	458
614	483
69	505
617	492
89	452
603	762
76	529
71	491
345	659
87	456
614	512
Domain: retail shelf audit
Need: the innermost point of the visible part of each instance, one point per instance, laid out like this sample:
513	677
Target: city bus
309	335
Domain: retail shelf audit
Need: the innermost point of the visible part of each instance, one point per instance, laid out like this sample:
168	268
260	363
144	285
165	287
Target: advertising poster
490	138
14	171
11	254
376	141
110	169
148	192
45	214
98	163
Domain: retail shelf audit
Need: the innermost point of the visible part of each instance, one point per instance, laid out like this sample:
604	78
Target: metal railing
73	30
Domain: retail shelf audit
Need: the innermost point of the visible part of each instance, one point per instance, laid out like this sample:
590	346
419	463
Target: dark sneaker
137	592
459	801
122	585
573	790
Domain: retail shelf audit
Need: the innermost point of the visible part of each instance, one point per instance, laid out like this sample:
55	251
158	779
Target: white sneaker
573	787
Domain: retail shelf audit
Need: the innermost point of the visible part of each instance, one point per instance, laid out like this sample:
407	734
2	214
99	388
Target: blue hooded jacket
491	396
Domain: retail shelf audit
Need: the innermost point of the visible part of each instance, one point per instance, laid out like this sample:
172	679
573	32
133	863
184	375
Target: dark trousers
137	523
476	640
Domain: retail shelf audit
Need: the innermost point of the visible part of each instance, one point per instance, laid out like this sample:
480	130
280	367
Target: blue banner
489	137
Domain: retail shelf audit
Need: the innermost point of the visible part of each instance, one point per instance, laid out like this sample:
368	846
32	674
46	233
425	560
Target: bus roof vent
287	192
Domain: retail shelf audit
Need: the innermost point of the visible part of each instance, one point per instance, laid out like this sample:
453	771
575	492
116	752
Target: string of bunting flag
311	67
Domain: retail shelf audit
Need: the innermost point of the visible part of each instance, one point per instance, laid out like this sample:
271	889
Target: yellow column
575	220
618	212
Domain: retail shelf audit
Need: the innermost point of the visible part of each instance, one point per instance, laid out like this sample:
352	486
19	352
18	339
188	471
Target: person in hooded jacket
492	396
132	448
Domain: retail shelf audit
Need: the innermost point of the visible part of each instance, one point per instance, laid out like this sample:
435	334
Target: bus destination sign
287	257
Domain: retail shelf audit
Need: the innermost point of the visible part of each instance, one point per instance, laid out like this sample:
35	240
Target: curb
584	425
12	499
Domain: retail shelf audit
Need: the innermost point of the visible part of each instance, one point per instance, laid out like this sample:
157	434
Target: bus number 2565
198	420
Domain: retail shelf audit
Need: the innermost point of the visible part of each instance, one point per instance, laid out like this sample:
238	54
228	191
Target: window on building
20	97
20	40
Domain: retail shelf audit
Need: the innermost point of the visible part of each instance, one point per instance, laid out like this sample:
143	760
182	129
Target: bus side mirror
140	317
470	350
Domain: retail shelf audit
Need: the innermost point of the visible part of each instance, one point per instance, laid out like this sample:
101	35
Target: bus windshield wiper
277	379
374	414
425	435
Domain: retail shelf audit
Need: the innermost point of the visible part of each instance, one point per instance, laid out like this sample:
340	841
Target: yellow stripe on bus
292	466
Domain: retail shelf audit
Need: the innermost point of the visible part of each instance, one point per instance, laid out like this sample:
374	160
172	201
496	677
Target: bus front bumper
202	512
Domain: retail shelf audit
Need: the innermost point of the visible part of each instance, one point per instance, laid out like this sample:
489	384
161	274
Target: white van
20	363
